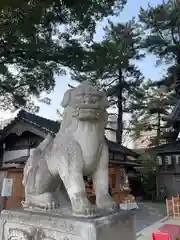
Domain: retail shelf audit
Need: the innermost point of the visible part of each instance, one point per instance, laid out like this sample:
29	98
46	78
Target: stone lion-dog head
85	102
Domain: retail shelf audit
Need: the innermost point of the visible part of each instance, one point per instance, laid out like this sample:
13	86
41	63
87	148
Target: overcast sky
147	65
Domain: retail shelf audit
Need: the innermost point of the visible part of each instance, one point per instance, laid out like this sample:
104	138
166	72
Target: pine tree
38	40
162	38
153	103
109	65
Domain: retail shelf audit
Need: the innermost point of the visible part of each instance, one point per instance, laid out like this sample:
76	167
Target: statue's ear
66	99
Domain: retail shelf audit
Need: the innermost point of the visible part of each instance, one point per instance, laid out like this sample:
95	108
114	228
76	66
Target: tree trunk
157	144
158	130
119	131
177	84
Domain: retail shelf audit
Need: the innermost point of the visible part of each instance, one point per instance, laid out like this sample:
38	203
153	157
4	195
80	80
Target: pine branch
110	129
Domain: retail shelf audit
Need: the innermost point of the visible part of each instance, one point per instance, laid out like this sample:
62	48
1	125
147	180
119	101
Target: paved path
148	213
146	233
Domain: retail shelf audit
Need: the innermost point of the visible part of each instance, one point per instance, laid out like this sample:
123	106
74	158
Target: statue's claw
106	202
90	211
51	205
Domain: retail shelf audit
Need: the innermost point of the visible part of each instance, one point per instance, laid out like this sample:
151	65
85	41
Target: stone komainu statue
79	149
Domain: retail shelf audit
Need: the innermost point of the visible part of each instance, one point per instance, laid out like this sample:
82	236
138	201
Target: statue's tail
35	157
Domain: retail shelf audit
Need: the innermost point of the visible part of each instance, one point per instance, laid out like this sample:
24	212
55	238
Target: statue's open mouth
88	114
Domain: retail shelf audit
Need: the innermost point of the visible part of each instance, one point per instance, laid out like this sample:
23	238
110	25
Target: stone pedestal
31	225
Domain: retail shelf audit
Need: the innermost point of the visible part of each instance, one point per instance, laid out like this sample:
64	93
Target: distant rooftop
52	127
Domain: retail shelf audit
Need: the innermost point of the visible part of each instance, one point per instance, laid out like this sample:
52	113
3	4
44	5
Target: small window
159	160
178	159
176	178
168	160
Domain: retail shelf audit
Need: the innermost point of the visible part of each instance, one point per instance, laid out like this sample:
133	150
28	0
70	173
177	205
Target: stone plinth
31	225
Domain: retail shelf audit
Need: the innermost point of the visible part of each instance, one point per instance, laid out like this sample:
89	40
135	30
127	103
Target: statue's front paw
106	202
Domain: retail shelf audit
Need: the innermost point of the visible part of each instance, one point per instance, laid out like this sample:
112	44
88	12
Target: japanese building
168	158
23	133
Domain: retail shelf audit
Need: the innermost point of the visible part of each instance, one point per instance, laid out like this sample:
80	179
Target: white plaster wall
10	155
112	123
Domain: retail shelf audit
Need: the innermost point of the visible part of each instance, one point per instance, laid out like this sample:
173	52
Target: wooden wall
17	196
3	174
115	174
17	189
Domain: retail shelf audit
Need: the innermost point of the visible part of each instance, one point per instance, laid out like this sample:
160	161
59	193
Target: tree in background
148	161
37	42
153	103
163	38
110	66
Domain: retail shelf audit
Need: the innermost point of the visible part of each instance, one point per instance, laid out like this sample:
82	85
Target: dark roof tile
47	125
115	147
20	160
172	147
41	122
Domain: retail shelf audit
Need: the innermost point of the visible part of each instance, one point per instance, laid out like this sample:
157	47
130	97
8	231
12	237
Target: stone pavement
146	233
149	218
148	213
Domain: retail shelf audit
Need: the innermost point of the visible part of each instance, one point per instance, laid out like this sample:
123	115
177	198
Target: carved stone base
27	225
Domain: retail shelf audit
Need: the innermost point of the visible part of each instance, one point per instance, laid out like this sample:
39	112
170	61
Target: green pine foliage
162	38
151	106
37	42
110	66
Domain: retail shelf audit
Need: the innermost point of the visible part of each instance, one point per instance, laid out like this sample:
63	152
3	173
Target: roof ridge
164	144
33	114
46	124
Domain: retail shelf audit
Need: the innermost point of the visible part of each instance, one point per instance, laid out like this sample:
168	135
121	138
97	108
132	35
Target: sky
147	65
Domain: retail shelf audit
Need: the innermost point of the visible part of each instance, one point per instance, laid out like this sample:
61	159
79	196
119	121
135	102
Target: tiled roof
45	124
172	147
114	147
127	163
19	160
52	127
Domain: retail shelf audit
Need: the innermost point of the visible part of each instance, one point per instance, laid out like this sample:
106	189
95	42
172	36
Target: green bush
149	186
